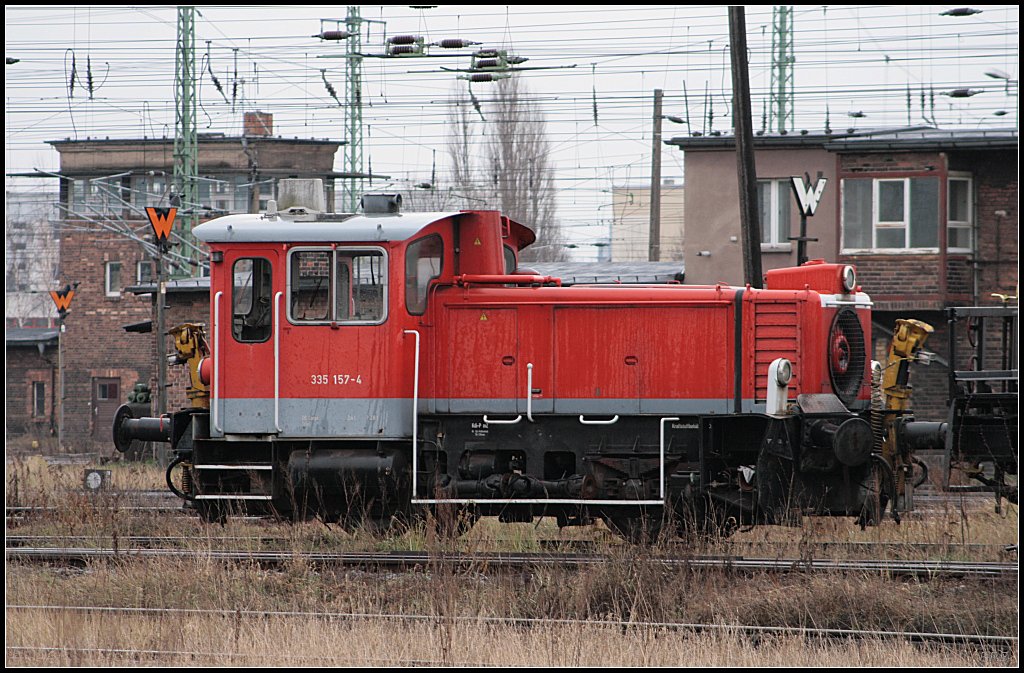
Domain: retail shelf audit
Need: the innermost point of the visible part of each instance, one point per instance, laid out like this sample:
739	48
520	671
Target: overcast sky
606	61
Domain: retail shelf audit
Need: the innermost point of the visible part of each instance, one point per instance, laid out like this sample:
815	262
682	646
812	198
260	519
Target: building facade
928	217
630	230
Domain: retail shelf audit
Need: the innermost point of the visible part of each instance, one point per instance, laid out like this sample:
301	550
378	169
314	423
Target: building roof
31	336
203	139
927	139
904	138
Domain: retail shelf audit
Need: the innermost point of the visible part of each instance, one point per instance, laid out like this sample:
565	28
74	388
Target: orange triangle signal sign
62	299
161	219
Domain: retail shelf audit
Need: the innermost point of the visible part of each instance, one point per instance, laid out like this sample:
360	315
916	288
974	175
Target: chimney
259	124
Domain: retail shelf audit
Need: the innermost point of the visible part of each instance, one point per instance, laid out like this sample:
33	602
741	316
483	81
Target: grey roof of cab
329	227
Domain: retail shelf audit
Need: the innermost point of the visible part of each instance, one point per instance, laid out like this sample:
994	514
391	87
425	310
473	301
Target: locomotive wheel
643	529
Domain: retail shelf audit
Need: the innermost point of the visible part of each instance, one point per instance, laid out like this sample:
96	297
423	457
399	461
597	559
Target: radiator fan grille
847	355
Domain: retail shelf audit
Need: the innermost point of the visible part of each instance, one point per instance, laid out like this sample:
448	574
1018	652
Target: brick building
31	383
105	186
929	217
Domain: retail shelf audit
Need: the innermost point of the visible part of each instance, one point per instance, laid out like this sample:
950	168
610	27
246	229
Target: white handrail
661	450
415	408
529	392
215	411
613	419
277	360
494	421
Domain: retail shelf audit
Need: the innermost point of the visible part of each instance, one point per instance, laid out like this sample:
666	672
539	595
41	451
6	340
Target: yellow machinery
190	344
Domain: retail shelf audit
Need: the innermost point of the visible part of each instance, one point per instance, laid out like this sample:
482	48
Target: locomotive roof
326	227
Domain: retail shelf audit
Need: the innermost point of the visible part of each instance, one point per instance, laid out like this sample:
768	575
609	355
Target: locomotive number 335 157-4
335	379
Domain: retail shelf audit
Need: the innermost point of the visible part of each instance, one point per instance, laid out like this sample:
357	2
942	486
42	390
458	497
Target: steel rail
497	561
696	627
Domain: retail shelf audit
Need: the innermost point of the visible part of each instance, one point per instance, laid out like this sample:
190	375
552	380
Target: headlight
849	279
784	373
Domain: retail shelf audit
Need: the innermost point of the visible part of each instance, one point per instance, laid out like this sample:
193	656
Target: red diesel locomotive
362	367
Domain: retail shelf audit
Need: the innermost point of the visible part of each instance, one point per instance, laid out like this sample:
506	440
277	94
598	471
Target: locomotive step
232	467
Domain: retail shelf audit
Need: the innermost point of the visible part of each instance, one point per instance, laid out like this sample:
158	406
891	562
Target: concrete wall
631	223
713	218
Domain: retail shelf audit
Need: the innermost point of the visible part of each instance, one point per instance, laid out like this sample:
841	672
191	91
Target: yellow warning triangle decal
477	242
483	316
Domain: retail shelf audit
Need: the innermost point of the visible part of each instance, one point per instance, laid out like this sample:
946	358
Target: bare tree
518	171
31	255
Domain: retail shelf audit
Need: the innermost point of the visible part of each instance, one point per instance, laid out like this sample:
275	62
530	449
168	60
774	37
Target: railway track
919	637
489	561
815	548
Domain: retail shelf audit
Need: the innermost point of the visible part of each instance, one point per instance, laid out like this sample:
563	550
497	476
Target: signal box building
105	186
928	216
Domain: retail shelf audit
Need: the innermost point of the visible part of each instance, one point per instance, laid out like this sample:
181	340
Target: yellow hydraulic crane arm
908	340
190	344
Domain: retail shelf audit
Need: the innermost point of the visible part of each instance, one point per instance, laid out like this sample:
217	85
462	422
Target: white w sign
806	195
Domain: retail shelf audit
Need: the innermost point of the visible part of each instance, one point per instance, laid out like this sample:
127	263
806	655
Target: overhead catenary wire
409	123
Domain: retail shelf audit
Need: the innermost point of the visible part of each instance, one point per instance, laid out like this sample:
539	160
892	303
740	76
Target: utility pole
62	300
186	163
354	126
654	244
745	169
781	105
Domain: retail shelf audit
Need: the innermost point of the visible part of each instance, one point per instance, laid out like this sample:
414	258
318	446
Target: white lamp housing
780	373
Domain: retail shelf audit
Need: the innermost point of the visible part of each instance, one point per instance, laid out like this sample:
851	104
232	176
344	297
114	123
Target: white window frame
778	187
967	224
138	271
39	399
877	224
334	250
108	291
876	212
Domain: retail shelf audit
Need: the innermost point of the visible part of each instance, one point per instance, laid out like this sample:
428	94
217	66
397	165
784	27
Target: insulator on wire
334	35
403	49
453	43
404	39
963	93
488	63
88	75
483	77
961	11
330	87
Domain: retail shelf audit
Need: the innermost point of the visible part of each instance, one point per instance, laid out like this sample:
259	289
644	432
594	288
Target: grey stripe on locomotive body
391	418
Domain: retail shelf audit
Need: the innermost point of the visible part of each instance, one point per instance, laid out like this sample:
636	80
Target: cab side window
424	260
251	314
510	259
338	285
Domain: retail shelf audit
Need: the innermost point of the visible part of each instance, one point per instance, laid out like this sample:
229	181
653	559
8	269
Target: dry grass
32	481
228	640
456	606
632	586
